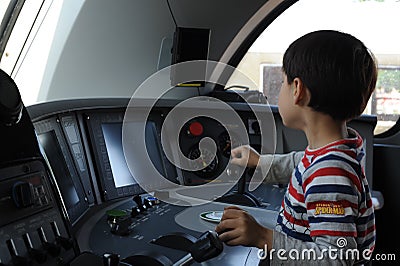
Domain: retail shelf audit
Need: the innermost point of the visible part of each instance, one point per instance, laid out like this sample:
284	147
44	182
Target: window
371	21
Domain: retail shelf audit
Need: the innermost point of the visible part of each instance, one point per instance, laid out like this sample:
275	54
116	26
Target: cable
172	14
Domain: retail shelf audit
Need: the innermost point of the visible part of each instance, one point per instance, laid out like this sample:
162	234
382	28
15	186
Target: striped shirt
328	196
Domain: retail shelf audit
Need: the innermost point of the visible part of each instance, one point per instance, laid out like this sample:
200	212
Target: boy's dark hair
337	68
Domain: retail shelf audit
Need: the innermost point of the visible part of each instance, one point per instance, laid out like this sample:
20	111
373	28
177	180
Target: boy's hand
238	227
245	156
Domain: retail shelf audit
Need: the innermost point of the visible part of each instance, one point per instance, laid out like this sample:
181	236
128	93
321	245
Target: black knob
135	212
110	259
52	248
122	226
147	203
38	255
120	221
139	202
16	259
65	242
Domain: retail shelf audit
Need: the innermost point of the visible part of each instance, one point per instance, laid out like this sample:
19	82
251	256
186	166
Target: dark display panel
60	168
113	174
58	154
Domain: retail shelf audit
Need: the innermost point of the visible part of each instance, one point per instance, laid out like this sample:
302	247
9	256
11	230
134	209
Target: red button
196	129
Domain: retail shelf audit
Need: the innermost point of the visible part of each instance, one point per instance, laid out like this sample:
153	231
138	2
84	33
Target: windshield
370	21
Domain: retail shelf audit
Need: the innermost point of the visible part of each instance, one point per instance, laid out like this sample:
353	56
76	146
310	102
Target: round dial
205	156
225	144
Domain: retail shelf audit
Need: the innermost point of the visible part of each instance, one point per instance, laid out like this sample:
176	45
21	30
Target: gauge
225	144
205	156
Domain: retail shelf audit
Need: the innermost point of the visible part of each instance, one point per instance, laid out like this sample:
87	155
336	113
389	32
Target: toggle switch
151	201
110	259
65	242
17	260
52	248
38	255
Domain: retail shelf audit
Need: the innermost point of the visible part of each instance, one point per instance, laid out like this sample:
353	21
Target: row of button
38	254
120	221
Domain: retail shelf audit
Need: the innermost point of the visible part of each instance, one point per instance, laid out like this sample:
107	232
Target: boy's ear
300	92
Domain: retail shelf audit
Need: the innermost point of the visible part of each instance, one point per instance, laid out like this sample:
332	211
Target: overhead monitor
189	44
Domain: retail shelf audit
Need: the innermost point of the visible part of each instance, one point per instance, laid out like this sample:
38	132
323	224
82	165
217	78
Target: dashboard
113	202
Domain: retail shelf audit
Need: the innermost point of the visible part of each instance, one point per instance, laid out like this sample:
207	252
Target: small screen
113	139
59	166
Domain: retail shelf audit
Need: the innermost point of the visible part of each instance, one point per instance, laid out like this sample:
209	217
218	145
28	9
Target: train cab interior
117	120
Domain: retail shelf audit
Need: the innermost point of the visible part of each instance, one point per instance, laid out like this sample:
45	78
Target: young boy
326	214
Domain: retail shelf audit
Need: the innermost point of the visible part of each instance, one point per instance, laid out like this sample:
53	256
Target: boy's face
286	105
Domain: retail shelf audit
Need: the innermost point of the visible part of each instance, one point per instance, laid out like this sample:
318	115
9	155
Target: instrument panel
86	153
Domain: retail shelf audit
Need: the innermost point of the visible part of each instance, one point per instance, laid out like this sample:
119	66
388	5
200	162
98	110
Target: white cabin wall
113	46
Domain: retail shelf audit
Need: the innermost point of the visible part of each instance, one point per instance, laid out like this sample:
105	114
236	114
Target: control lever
147	258
177	240
206	247
240	196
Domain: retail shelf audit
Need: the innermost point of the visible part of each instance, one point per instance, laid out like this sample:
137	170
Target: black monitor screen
56	159
113	139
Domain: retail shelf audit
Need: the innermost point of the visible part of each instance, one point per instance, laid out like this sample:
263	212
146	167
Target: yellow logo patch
329	208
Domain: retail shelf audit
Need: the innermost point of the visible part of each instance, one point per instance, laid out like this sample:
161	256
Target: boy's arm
282	166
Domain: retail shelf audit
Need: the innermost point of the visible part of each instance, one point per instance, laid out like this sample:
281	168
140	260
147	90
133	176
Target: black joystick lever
205	247
240	196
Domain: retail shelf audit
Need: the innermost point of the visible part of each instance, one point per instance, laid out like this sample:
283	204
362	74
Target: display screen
59	166
113	139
